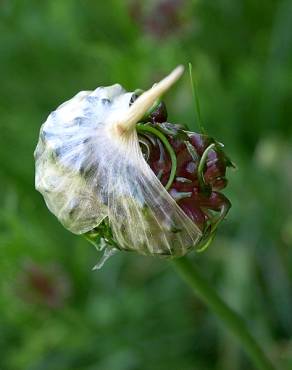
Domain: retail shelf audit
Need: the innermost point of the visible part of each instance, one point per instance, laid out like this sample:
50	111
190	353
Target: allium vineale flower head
110	166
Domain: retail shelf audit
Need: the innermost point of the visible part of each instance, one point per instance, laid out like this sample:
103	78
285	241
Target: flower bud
109	166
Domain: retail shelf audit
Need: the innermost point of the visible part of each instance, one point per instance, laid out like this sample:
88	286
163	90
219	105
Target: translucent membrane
89	166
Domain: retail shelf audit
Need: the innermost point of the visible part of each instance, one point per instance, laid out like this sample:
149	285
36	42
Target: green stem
196	99
229	317
202	164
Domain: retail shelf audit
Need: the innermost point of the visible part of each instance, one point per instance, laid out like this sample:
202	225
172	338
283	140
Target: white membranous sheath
90	167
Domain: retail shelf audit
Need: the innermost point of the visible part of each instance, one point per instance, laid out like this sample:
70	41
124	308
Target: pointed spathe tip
147	99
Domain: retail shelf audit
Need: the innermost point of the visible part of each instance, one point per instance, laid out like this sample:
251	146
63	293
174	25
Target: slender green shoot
202	165
196	100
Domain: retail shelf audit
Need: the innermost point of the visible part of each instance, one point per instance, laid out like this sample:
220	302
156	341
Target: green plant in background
135	313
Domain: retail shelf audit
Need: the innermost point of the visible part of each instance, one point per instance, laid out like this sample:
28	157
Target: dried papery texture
90	168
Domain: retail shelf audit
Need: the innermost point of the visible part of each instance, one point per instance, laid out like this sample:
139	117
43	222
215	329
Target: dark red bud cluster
200	171
43	285
161	19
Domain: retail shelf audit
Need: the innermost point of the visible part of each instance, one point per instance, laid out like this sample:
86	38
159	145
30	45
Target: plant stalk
230	318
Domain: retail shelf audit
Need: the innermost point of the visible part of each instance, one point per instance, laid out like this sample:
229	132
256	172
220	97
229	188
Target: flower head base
110	166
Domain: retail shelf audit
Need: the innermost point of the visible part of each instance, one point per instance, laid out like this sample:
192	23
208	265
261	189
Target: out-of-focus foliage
55	313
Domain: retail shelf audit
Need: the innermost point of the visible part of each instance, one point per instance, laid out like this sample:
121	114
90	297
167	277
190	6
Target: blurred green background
136	313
